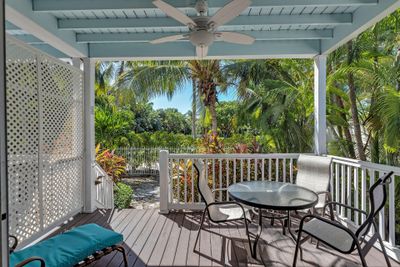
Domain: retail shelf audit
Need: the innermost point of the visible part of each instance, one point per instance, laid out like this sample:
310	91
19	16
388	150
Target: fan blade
201	51
229	12
174	13
235	37
168	39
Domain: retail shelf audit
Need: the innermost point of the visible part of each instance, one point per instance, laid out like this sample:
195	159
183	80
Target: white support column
320	105
3	147
89	179
164	181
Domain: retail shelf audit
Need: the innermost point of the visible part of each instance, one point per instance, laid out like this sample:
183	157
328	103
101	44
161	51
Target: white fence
44	140
350	181
104	189
144	160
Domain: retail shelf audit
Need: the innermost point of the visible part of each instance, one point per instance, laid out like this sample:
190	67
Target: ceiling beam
101	5
363	18
258	35
28	39
44	27
272	20
219	50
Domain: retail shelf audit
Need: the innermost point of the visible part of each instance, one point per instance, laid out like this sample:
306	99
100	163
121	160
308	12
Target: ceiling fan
203	29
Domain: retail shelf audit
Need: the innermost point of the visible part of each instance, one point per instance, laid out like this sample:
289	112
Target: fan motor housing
201	37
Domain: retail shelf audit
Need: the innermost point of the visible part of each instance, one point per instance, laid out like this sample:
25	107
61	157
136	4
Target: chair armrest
345	206
27	261
15	244
219	189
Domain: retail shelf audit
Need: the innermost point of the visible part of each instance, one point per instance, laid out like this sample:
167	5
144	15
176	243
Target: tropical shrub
122	195
113	165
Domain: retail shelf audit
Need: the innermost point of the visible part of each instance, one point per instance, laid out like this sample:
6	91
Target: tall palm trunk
213	113
353	103
194	107
345	128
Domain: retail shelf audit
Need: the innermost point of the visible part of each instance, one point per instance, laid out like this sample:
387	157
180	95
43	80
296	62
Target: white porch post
3	148
320	105
164	181
89	186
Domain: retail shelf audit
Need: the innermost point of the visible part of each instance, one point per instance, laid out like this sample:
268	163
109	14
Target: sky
182	100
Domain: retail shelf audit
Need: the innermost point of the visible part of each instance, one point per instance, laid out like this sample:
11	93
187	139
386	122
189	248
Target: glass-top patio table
270	195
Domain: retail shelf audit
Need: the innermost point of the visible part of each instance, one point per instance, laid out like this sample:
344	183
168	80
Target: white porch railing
350	181
178	176
104	189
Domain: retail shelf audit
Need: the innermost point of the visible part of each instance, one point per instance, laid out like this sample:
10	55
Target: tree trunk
194	107
213	112
346	131
353	103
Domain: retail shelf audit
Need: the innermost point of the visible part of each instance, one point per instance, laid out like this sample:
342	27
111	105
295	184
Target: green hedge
122	195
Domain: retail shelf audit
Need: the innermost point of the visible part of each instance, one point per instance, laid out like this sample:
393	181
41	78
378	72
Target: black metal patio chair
341	238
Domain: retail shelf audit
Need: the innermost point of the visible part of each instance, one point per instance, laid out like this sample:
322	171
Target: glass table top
273	195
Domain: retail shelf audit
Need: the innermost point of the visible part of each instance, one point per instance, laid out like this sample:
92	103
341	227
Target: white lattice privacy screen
45	139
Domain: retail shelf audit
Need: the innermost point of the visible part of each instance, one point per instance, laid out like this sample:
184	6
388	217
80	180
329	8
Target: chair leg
248	234
363	262
198	232
296	252
384	250
122	250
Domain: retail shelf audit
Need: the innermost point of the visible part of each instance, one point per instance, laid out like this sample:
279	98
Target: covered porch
49	177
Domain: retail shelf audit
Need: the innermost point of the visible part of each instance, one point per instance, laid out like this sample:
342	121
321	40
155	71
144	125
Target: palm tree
168	77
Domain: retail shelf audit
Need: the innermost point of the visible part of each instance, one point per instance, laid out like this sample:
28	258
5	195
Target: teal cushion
69	248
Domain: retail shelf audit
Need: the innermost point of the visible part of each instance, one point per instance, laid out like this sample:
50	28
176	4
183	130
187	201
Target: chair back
377	200
314	173
202	183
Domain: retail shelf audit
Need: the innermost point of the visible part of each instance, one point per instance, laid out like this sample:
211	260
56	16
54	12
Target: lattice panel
45	139
22	140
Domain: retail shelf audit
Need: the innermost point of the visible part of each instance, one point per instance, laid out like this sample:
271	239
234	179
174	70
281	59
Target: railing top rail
365	164
236	156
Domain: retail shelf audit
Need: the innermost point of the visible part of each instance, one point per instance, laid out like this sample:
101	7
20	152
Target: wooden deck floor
152	239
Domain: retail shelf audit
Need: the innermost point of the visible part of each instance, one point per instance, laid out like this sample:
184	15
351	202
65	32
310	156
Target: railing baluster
234	171
363	193
220	180
343	188
192	177
227	178
337	182
277	169
356	195
213	174
178	180
262	169
284	169
269	169
171	181
348	192
392	212
185	180
291	170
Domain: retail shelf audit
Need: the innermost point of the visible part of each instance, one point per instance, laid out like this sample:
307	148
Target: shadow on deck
152	239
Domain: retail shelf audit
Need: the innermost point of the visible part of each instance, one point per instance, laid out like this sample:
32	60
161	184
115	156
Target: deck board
152	239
